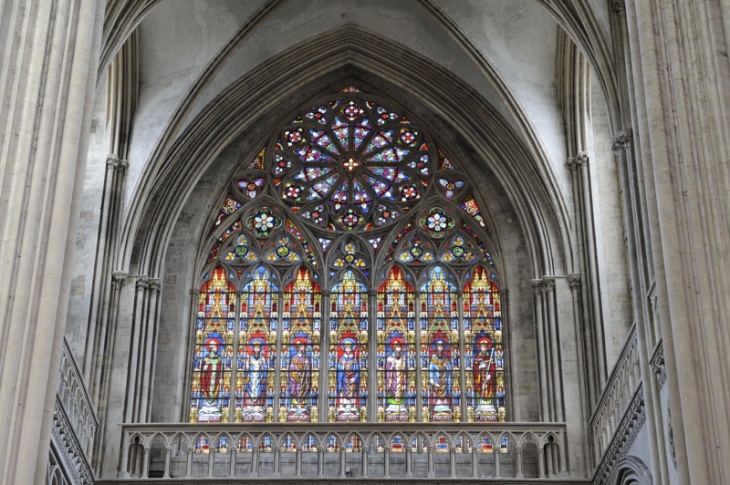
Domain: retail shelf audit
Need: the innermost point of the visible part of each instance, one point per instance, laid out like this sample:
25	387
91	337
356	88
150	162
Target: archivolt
521	170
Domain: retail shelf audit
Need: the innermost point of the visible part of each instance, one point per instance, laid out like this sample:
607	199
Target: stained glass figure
440	348
257	348
396	378
332	163
300	357
210	393
484	356
347	384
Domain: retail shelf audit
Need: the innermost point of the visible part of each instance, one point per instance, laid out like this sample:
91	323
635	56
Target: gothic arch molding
540	207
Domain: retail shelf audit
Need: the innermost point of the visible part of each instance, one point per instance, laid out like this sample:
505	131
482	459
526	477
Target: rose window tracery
351	164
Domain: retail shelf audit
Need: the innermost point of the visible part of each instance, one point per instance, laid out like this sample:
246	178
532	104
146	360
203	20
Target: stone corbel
574	280
537	286
621	141
580	160
112	161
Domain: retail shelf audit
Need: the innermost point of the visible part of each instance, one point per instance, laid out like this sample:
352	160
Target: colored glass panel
300	356
258	162
211	377
396	357
348	353
472	208
440	387
483	349
257	349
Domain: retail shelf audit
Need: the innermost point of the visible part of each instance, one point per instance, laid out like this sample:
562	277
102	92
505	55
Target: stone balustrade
74	399
269	451
617	397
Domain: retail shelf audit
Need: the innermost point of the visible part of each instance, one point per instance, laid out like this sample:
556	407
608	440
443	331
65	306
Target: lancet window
347	278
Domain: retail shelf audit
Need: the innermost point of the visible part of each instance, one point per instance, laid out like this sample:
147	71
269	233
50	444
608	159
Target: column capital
194	292
122	165
155	285
373	292
619	6
118	279
325	292
580	160
142	282
574	280
537	285
621	140
548	284
112	160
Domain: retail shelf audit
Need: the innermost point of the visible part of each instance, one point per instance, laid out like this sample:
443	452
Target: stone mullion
231	418
417	350
541	347
372	398
324	361
462	357
278	350
192	327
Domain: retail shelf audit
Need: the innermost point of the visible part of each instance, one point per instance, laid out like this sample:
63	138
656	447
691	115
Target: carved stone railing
74	423
74	399
268	452
617	397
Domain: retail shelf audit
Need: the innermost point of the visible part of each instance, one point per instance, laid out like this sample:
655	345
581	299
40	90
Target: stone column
595	351
50	52
542	361
681	81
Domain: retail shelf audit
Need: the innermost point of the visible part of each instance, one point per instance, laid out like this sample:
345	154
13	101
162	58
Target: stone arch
632	471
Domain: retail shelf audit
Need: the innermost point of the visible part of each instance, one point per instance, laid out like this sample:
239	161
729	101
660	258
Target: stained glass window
257	348
348	353
484	354
440	362
351	163
300	355
349	196
213	350
396	336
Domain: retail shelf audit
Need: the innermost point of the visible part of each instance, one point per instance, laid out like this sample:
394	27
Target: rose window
351	164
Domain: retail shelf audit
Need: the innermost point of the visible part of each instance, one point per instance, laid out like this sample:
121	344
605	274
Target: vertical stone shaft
681	77
50	51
